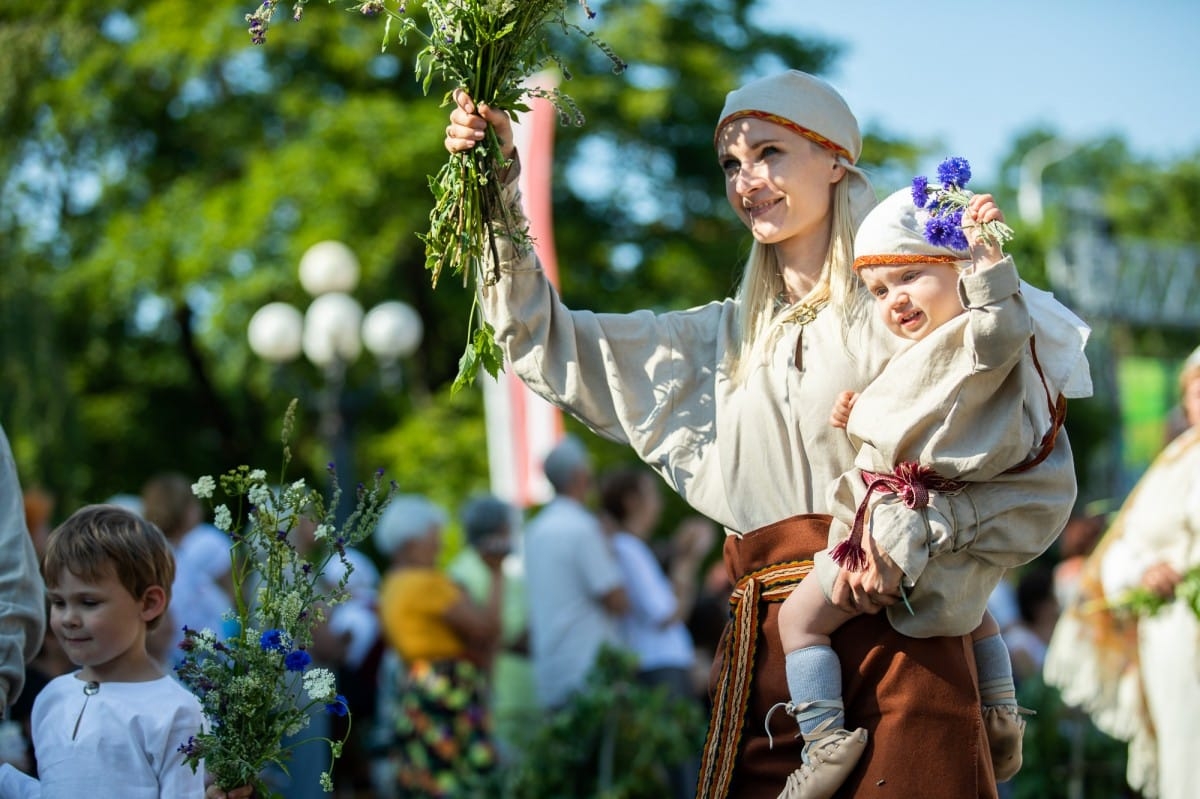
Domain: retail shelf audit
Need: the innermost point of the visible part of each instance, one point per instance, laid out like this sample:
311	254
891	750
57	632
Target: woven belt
768	584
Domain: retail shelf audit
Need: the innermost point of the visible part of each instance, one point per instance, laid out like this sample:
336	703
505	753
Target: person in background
1039	611
575	588
203	587
1135	673
653	628
115	727
446	642
488	523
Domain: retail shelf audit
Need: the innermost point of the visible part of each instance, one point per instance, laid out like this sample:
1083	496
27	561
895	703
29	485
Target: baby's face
914	299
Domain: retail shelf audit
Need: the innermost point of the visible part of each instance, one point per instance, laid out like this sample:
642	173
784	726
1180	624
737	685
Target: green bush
613	740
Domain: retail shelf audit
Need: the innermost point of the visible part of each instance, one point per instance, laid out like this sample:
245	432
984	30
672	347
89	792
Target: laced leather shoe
1005	727
829	757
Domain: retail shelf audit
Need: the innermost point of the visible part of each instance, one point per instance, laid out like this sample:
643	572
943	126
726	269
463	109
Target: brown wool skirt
917	697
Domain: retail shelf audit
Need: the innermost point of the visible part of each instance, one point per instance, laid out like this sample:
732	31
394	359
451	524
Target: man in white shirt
574	584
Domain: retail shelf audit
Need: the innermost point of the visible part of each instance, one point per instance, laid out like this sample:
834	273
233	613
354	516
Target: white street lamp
331	333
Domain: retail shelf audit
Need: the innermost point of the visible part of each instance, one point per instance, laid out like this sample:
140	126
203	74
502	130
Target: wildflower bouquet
488	48
1143	602
946	204
258	686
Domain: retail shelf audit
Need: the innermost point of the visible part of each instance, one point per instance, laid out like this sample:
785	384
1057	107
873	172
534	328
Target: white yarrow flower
258	475
204	487
222	519
320	684
259	495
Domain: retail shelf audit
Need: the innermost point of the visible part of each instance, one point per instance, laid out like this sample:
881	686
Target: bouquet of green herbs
489	48
1141	601
258	686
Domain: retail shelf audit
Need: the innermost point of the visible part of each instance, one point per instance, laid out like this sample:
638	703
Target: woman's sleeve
628	377
15	784
22	594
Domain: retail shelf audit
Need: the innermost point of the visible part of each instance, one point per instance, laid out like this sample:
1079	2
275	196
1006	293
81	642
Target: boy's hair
101	539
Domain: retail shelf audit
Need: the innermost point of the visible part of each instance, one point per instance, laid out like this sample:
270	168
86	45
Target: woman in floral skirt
442	729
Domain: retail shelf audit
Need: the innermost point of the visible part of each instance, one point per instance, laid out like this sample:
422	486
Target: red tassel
849	555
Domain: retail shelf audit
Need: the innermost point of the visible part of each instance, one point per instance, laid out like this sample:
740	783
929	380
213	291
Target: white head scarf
812	108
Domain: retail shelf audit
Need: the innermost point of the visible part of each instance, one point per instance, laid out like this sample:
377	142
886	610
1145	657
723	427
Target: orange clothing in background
412	606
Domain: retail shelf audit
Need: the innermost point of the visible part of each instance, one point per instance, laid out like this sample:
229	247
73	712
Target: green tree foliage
163	176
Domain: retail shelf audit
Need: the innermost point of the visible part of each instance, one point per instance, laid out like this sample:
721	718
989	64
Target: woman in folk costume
978	395
1139	677
729	403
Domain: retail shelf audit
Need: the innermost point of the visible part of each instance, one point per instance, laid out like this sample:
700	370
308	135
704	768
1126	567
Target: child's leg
814	675
1001	717
992	661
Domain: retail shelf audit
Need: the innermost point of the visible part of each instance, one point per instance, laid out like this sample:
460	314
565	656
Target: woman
1138	677
445	641
729	403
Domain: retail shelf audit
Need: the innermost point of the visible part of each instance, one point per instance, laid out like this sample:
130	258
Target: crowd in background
448	659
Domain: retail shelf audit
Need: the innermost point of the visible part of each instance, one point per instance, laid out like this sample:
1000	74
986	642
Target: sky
974	75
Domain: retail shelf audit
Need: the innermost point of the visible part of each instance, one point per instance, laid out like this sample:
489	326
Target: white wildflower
258	475
204	487
222	519
323	532
259	495
320	684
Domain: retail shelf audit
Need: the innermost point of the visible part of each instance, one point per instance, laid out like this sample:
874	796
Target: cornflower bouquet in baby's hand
488	48
258	686
946	204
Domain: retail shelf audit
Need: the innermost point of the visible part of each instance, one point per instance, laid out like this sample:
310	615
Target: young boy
114	727
975	397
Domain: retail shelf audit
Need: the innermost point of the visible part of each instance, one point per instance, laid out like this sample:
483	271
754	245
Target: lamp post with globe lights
331	333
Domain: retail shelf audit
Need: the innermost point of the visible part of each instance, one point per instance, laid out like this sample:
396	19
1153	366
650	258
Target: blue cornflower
954	172
920	191
338	707
296	660
939	231
272	640
958	239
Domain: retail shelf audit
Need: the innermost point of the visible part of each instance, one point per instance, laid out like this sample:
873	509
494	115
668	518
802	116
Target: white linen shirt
126	747
569	567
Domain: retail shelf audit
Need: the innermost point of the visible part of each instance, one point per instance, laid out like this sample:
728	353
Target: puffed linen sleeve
746	452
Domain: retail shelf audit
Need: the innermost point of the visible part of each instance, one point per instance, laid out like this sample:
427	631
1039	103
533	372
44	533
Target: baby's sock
813	673
995	672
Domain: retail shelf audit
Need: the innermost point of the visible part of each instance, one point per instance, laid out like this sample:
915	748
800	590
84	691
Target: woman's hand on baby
213	792
982	208
842	406
468	125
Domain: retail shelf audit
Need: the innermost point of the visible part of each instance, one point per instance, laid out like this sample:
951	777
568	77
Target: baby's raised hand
842	406
982	208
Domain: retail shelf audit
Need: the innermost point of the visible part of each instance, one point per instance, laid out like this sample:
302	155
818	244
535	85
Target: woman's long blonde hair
760	318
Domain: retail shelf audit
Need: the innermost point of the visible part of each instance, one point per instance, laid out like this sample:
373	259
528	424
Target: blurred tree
162	177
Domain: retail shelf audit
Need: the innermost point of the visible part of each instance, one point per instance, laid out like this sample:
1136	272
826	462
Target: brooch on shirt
90	688
803	313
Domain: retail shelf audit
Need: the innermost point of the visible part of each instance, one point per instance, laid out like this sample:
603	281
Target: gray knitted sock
995	672
814	672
